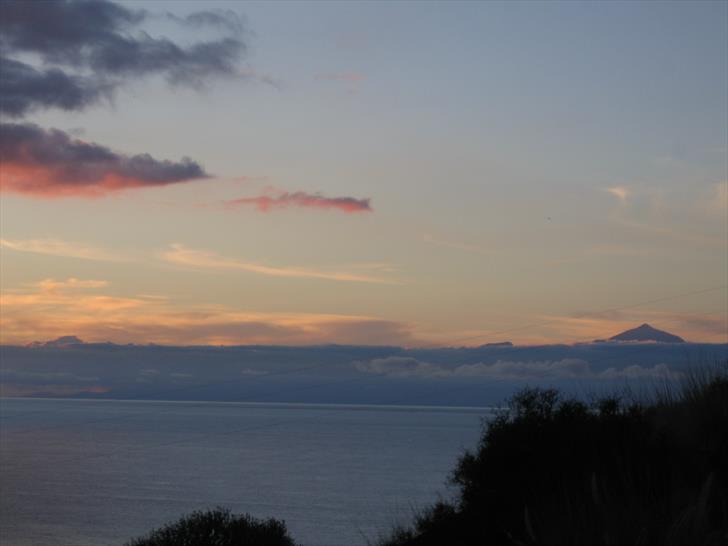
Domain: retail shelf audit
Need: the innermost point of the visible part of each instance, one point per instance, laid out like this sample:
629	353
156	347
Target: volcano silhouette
647	333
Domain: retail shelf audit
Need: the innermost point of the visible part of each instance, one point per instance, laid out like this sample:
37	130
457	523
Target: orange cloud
51	309
70	295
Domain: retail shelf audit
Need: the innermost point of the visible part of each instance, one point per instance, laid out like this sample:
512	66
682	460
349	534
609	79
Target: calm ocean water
77	473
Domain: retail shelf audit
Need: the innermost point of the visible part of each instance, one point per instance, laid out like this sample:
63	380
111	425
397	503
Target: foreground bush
218	528
552	470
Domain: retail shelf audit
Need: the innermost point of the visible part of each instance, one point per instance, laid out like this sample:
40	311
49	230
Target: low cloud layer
300	199
50	163
568	368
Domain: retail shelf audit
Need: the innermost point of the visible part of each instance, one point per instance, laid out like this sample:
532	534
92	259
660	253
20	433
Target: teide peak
645	332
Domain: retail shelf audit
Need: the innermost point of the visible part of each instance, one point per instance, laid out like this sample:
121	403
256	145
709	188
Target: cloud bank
300	199
567	368
50	163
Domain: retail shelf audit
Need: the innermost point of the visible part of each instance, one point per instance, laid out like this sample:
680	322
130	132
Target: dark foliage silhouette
554	470
218	527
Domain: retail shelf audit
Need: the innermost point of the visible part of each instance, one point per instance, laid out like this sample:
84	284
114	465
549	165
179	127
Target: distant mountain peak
63	341
645	332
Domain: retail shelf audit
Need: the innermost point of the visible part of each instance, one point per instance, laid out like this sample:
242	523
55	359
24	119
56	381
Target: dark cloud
146	55
98	35
64	30
23	88
104	39
226	19
51	163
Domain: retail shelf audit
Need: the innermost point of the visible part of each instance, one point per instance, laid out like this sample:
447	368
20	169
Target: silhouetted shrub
552	470
218	527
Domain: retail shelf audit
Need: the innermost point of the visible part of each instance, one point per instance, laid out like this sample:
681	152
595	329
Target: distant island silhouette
642	333
645	332
63	341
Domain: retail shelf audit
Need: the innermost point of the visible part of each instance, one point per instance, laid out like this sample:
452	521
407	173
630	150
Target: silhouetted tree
218	527
553	470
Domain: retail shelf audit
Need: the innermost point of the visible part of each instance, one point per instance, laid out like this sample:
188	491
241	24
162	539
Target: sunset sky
372	173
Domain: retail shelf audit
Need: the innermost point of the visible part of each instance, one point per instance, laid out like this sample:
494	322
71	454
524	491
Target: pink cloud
300	199
49	163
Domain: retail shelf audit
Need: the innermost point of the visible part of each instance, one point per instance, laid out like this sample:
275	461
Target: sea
100	472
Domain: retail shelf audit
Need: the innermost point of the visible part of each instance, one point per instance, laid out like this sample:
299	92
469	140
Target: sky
404	173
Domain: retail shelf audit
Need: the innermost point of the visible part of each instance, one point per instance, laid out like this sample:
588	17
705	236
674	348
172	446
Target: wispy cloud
54	308
181	255
620	192
301	199
347	81
52	285
70	294
457	245
718	202
662	214
56	247
256	76
250	179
